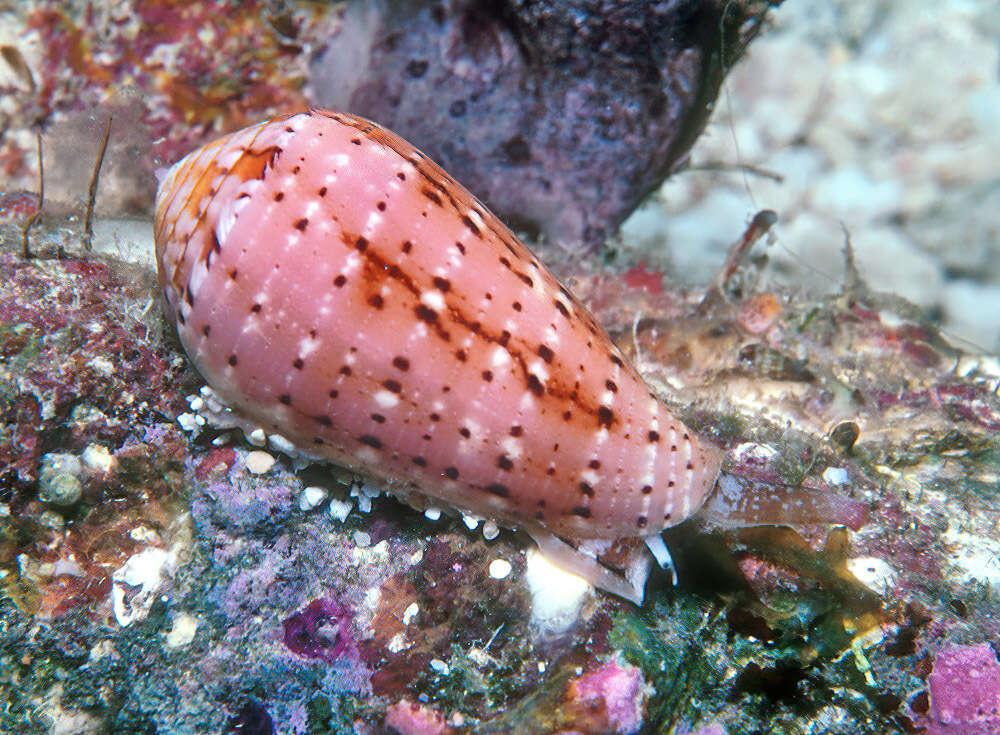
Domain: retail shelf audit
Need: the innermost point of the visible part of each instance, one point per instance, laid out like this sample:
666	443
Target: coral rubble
833	582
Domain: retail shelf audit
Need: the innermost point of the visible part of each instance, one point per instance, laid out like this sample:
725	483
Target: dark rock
560	115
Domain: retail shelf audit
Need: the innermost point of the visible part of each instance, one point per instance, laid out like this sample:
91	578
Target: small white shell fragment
102	365
835	476
280	443
258	463
188	422
340	509
144	534
873	572
439	666
311	497
410	613
182	631
257	437
398	643
68	566
372	597
490	530
370	492
100	650
196	403
432	513
96	458
891	319
471	522
754	450
499	568
364	504
362	539
479	657
135	584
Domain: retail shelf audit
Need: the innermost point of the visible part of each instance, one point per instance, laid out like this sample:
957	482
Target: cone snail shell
334	285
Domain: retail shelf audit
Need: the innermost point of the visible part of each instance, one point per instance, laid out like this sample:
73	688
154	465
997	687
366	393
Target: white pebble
432	513
183	630
147	535
410	613
490	530
340	509
97	458
187	422
259	462
311	497
370	492
479	657
362	539
874	573
835	476
102	365
439	666
364	504
471	522
277	441
754	450
499	568
398	643
195	403
257	437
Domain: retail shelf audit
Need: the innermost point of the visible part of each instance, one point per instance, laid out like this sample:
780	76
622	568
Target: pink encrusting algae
335	286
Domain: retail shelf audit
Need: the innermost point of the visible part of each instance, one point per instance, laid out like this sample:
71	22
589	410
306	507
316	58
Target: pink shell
334	285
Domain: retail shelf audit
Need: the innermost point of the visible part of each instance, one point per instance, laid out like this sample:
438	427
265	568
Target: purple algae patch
964	692
243	503
320	631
